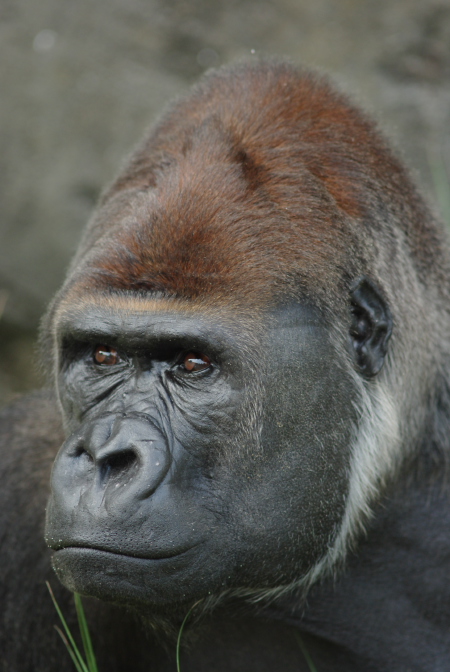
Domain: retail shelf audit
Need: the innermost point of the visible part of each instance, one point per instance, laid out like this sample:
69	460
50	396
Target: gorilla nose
118	453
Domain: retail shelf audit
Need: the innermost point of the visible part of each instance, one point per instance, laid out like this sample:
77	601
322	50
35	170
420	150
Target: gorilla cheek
296	500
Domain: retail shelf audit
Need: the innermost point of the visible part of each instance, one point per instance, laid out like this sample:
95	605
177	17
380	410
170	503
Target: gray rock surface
80	81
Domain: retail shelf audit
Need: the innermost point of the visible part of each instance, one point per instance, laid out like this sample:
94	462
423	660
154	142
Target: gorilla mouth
161	555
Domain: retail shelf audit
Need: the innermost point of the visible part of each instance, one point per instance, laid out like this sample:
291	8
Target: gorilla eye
194	362
105	355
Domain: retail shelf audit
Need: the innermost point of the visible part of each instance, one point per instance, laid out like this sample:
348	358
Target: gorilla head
232	398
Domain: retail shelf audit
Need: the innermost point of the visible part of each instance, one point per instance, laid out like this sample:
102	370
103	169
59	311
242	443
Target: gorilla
248	411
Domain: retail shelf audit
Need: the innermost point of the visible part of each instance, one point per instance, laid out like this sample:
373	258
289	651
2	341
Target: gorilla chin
122	579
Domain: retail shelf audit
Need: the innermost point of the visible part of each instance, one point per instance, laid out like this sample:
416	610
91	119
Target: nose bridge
115	434
130	433
99	433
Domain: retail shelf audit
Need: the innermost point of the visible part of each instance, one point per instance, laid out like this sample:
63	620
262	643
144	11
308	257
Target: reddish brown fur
261	170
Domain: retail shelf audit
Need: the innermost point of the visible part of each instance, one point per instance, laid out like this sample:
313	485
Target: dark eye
194	362
106	356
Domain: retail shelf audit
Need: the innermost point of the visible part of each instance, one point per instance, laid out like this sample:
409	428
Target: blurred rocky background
81	80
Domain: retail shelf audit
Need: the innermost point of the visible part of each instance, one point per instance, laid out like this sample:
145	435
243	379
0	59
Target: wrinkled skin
164	492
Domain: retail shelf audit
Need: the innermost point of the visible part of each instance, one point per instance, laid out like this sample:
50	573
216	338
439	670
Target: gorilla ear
371	327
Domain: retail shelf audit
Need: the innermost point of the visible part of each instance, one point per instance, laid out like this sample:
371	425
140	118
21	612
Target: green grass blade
85	636
181	632
179	639
74	647
305	652
69	649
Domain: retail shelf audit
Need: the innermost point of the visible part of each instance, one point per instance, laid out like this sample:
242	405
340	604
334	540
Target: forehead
261	183
136	319
228	211
143	319
216	240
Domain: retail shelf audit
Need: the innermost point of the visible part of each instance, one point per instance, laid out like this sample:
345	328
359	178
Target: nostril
116	465
79	451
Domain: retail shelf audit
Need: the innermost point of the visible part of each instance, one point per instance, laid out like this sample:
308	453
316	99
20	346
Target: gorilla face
204	452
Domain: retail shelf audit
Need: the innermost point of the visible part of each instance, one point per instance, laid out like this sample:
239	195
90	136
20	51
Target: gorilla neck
393	597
